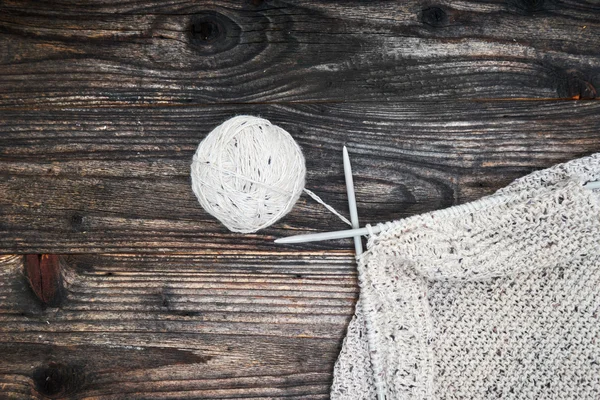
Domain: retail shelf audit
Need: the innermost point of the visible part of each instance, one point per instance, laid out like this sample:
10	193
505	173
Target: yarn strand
327	206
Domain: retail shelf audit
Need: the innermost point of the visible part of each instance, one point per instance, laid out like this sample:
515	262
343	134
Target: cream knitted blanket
499	298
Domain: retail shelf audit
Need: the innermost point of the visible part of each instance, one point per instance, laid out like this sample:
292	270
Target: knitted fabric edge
428	247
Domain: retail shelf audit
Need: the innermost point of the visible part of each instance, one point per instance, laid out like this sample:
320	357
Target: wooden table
115	284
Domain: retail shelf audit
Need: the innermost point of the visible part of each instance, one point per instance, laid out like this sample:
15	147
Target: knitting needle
315	237
592	185
352	201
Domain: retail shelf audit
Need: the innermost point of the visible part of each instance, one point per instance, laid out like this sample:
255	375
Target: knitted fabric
499	298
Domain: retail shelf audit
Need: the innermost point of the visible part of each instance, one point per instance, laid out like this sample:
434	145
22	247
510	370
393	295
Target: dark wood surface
233	325
115	284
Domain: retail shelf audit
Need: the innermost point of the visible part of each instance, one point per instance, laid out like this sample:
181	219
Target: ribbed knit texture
499	298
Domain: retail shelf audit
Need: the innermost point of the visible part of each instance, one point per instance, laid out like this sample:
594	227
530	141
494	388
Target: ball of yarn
248	173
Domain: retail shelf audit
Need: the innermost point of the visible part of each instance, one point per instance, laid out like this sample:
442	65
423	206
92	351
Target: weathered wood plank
139	53
118	180
233	325
102	104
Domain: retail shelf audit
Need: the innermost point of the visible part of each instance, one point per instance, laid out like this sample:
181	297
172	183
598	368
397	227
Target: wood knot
206	31
434	16
211	32
528	7
77	222
574	85
44	277
57	380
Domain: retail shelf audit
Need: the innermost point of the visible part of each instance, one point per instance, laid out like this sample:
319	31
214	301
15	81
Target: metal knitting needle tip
352	200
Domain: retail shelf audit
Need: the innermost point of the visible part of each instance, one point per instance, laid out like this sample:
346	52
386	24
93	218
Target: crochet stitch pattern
498	298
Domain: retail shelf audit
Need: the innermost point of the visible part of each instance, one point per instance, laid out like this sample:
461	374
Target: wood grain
118	180
103	102
141	53
220	326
